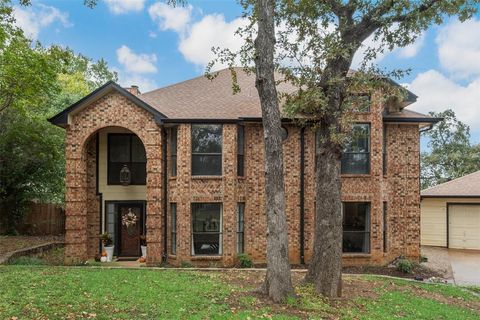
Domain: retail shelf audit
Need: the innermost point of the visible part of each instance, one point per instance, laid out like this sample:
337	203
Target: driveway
465	266
459	266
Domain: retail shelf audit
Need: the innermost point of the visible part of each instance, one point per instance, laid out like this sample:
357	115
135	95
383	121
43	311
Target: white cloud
125	6
408	51
459	48
136	63
34	18
438	93
144	83
169	17
211	31
152	34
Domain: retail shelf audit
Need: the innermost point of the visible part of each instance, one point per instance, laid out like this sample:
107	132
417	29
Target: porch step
127	258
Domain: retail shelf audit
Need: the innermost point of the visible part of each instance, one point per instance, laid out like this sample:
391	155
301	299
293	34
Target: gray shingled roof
466	186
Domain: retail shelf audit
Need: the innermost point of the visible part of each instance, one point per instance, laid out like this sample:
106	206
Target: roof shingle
466	186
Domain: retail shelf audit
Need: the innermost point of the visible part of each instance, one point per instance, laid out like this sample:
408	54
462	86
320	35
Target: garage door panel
464	226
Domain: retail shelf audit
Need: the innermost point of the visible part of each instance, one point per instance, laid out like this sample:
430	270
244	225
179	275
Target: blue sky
153	45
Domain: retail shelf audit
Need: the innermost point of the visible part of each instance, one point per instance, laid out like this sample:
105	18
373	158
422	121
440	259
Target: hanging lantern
125	176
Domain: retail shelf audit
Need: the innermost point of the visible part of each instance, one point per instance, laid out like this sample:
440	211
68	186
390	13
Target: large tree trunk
325	268
278	284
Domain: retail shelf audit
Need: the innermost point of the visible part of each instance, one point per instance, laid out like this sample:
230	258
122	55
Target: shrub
245	261
186	264
423	259
405	265
28	261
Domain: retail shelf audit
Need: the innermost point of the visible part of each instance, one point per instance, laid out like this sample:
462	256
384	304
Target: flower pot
144	251
109	251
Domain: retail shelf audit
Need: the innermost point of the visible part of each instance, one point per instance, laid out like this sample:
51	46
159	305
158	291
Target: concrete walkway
462	266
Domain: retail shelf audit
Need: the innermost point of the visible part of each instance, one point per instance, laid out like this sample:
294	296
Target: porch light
125	176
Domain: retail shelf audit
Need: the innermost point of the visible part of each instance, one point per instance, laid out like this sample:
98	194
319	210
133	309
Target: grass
41	292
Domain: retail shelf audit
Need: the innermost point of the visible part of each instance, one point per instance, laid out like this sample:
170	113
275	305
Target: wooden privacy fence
41	219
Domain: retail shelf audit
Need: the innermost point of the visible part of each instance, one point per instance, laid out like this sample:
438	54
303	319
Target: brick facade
398	188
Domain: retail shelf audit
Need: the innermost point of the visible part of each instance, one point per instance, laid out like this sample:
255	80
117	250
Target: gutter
165	193
302	196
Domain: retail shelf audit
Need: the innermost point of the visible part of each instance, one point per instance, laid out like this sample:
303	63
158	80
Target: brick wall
399	188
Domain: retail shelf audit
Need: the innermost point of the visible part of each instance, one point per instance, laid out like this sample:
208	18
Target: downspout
302	196
165	192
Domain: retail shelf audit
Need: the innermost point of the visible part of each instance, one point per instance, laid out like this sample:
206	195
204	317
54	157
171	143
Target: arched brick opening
82	203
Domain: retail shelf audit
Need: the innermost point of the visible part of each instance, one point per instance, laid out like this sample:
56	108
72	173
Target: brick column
153	145
75	202
229	163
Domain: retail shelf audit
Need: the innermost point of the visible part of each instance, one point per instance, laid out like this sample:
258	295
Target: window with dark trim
240	227
126	149
206	150
358	102
356	227
173	212
385	227
207	228
173	151
384	151
356	155
240	151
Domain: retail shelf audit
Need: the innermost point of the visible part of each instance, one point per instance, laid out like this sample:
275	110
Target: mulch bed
419	272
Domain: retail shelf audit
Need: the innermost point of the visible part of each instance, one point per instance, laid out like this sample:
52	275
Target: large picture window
173	151
126	150
356	155
206	150
240	151
207	228
356	227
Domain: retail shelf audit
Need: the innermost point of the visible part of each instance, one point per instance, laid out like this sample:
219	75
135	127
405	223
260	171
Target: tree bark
278	284
325	268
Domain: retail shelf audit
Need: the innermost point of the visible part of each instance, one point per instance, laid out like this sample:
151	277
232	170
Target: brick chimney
133	90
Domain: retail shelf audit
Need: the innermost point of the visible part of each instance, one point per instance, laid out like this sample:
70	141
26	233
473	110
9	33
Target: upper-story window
206	150
240	151
356	155
173	151
358	102
126	150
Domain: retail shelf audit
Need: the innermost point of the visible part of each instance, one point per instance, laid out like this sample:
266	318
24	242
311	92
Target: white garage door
464	226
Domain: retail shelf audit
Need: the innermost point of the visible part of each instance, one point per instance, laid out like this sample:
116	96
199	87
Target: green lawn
41	292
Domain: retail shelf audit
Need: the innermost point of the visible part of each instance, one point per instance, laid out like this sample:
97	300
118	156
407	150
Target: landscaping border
30	250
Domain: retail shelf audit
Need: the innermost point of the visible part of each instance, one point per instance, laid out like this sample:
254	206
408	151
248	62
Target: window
126	149
356	155
240	151
358	102
356	227
385	225
173	212
384	154
207	228
206	150
173	151
240	223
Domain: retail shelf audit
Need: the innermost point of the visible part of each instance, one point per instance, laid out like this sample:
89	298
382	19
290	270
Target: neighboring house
194	153
450	213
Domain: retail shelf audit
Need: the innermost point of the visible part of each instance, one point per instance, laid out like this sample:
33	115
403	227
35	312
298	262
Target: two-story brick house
187	161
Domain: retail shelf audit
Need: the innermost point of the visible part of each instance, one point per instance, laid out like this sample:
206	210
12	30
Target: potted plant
108	246
143	245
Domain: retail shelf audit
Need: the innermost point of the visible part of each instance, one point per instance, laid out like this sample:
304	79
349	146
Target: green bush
186	264
405	265
245	261
28	261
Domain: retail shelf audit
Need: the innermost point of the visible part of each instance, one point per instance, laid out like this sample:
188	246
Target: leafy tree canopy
451	155
35	83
